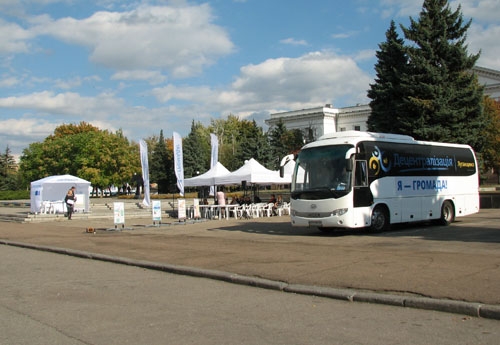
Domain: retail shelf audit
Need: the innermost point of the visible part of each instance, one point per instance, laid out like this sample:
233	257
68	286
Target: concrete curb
351	295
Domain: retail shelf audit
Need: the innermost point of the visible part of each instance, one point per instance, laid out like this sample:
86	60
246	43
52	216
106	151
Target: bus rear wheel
380	219
447	213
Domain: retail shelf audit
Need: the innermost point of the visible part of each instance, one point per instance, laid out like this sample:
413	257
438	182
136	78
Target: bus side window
361	177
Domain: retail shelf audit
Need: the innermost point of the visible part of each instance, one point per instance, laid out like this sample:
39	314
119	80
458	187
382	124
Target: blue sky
143	66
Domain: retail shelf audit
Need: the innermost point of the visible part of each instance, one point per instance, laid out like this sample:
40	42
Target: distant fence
489	200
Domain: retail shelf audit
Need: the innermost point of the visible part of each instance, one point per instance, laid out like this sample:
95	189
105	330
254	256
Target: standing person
70	200
221	201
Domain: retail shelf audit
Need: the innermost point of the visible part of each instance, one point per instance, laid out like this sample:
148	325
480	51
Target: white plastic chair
257	209
246	211
267	209
45	207
283	209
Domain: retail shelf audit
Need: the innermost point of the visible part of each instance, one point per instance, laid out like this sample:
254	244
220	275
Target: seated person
272	200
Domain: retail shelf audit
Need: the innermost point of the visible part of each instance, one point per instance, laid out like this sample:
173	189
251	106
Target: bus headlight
339	211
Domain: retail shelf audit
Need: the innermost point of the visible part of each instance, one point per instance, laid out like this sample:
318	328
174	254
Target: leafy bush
14	194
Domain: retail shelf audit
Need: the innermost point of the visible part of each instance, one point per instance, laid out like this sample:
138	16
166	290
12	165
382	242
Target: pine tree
254	144
387	106
443	98
277	135
196	150
161	166
8	171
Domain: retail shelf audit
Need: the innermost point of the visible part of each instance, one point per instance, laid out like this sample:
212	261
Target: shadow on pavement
462	231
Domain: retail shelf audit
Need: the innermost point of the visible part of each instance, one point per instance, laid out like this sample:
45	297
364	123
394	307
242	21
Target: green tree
491	153
294	140
387	105
101	157
161	165
276	136
8	171
283	141
196	150
444	100
228	135
254	144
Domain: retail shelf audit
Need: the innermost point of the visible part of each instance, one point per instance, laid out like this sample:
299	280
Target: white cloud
284	83
485	40
153	77
314	78
181	40
196	94
13	38
400	8
482	11
364	55
68	103
9	81
31	127
294	42
68	83
344	35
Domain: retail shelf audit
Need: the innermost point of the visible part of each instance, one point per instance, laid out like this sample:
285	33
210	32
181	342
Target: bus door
362	194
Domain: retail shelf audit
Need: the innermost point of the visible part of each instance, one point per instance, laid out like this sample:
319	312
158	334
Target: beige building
315	122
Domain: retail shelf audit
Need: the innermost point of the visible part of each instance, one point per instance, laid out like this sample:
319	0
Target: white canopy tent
252	172
208	178
54	188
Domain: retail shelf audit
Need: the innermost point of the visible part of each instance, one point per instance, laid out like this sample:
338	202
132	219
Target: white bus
358	179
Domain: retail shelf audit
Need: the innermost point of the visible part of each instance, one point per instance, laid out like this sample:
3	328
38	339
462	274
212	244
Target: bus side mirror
283	162
349	165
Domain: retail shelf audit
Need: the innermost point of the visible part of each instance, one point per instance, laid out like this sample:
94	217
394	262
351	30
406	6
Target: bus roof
360	135
353	137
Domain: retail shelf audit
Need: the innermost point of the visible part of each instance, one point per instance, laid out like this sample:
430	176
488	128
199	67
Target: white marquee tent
54	189
208	178
252	172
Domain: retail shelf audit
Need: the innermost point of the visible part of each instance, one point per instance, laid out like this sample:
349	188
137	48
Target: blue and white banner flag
178	163
214	158
145	172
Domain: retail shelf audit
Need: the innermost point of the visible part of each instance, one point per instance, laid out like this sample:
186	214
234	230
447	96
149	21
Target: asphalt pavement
56	299
452	269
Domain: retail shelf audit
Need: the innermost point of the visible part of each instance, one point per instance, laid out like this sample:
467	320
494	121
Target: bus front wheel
380	219
447	213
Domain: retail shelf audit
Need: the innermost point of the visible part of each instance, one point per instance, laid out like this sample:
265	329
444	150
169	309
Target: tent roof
208	178
61	179
252	172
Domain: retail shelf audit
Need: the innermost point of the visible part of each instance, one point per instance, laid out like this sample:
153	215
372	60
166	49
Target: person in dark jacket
70	200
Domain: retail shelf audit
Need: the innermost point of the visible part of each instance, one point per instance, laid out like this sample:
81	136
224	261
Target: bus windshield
322	172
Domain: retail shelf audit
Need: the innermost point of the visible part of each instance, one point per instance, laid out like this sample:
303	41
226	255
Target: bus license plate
315	223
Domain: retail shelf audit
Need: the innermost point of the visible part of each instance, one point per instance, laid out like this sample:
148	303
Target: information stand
119	214
182	209
156	209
